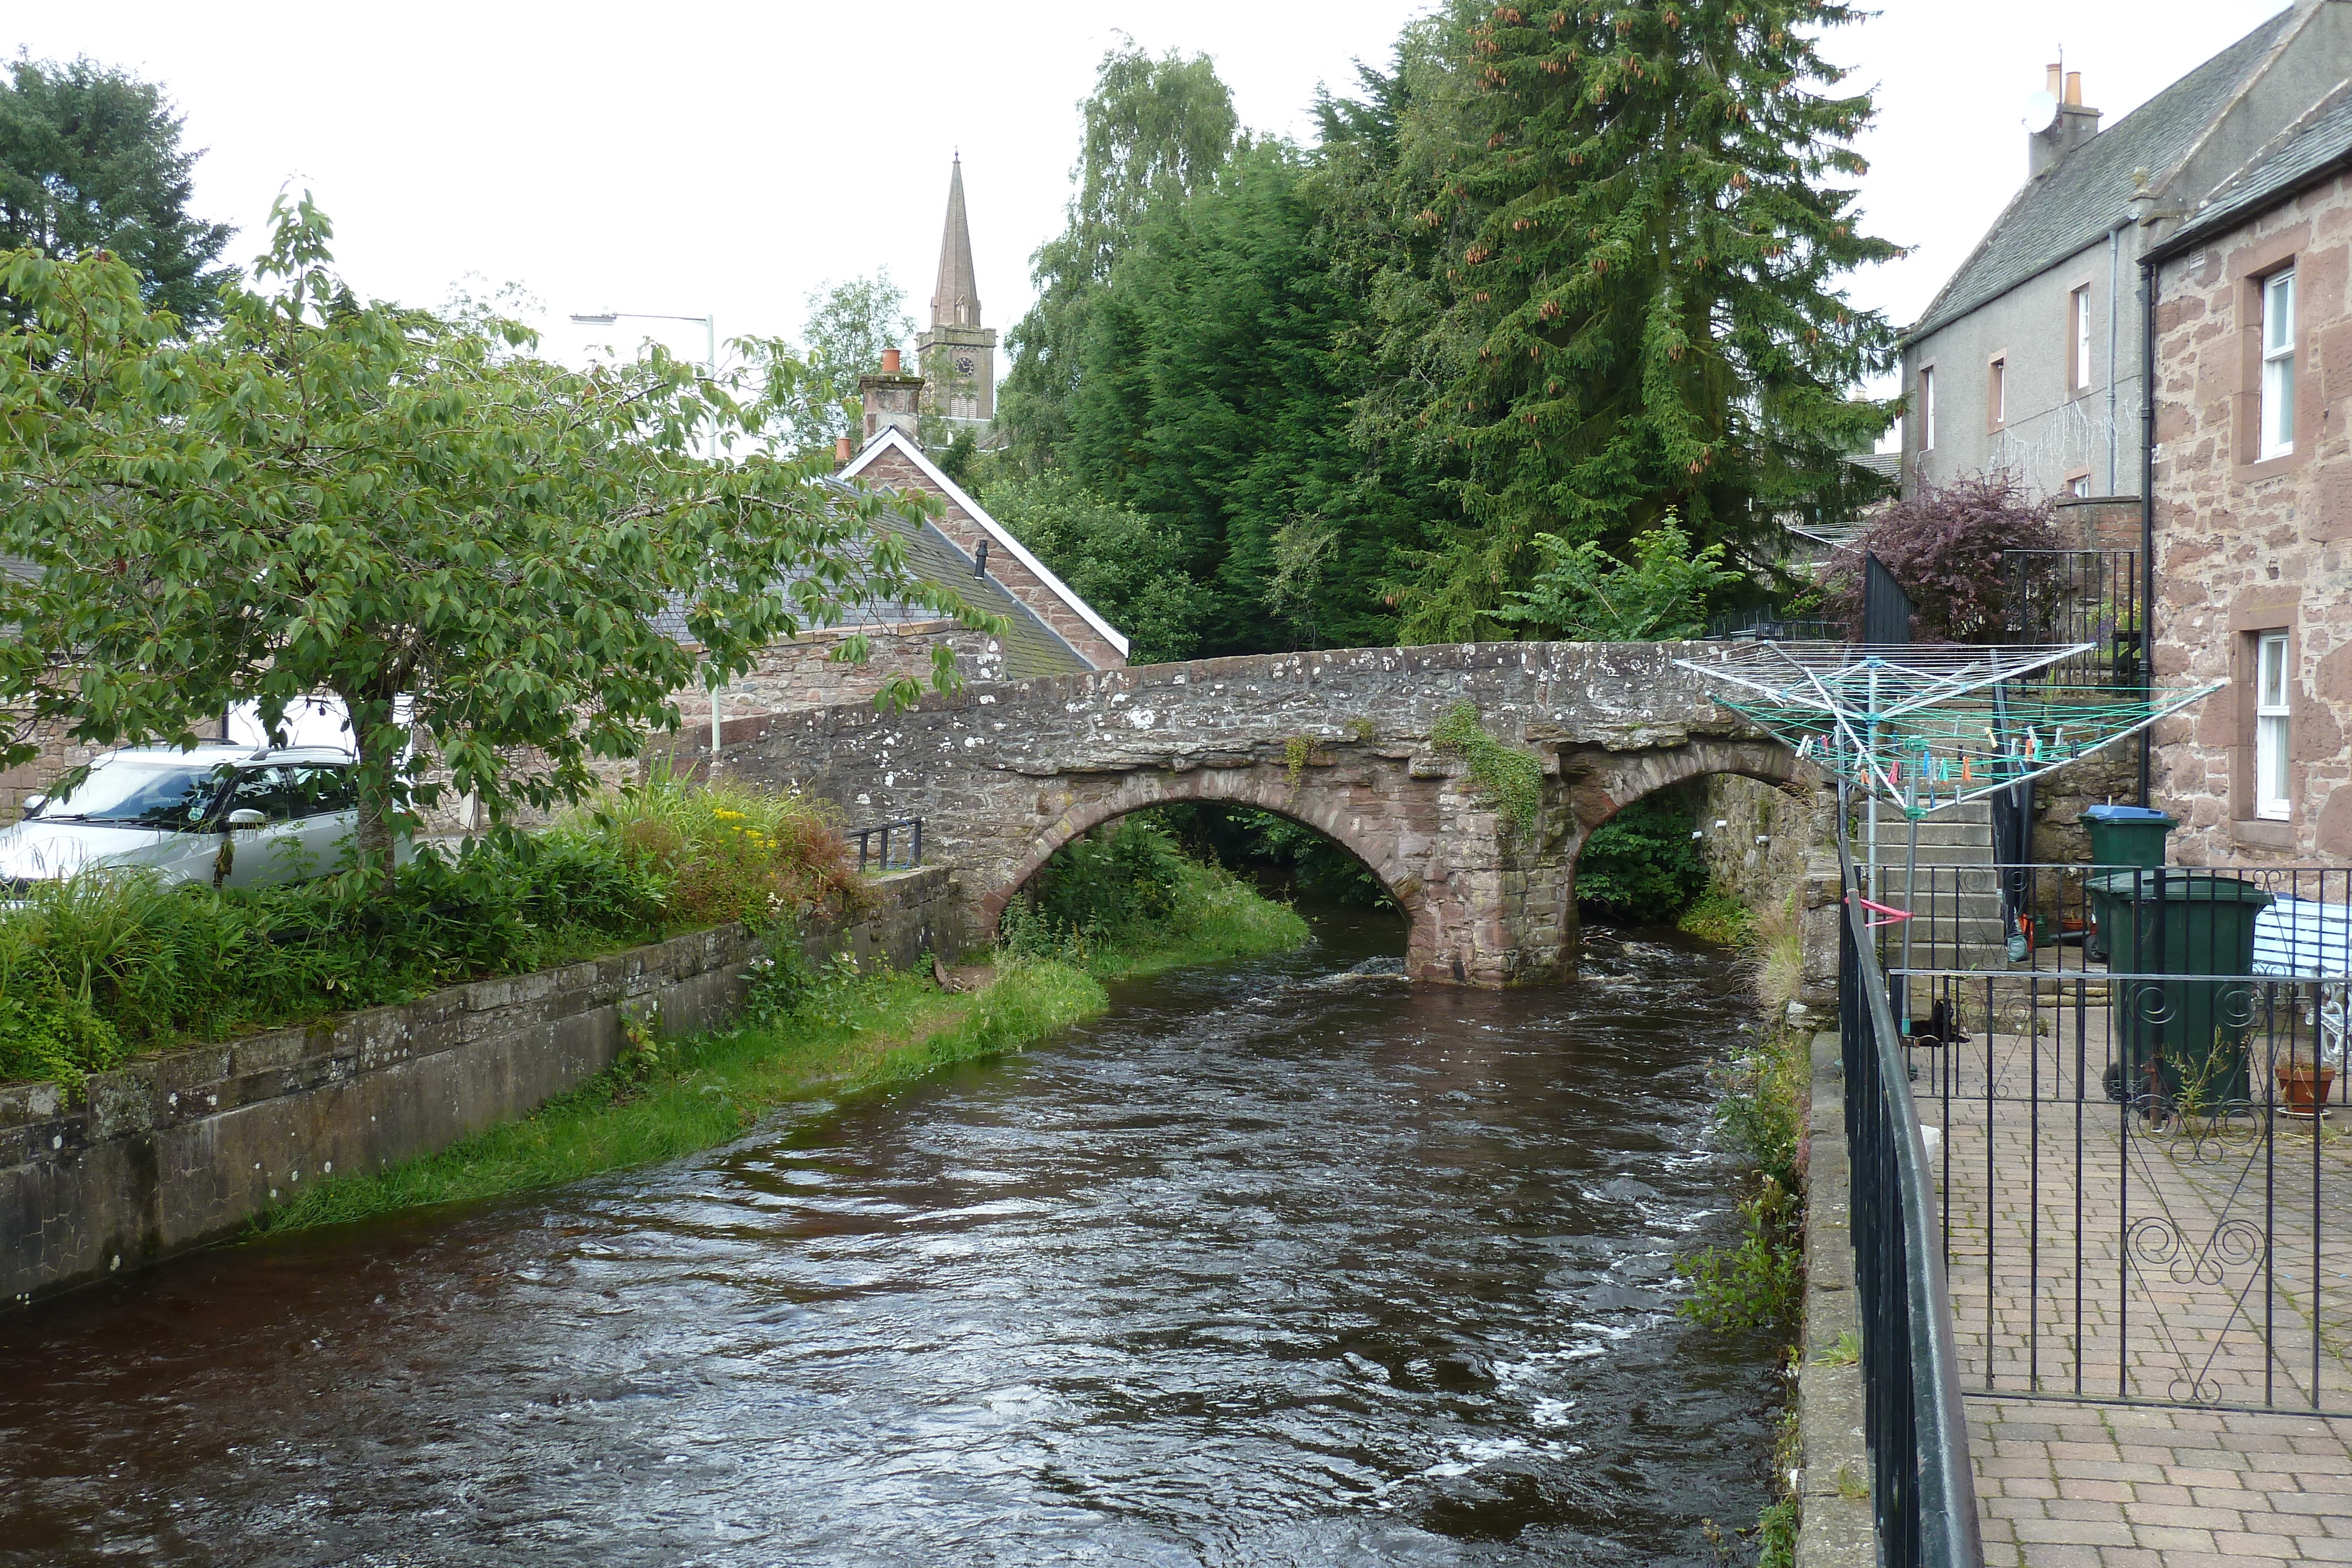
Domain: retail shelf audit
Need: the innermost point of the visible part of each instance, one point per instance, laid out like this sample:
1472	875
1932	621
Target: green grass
1218	918
1715	916
681	1096
666	1099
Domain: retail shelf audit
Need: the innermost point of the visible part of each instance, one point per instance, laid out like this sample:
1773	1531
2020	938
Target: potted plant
2305	1088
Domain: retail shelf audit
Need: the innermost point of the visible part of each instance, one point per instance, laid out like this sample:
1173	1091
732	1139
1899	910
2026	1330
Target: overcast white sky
707	157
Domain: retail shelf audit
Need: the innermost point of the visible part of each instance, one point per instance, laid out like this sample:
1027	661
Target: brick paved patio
2187	1259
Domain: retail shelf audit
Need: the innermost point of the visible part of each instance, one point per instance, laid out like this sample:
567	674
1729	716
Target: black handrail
1924	1492
914	853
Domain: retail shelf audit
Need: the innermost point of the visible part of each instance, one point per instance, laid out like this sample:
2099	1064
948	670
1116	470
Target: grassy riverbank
832	1033
1757	1284
667	1098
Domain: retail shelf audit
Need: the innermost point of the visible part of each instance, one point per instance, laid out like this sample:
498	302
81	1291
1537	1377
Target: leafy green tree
471	547
811	395
1585	595
90	160
1126	564
1154	131
1633	304
1214	395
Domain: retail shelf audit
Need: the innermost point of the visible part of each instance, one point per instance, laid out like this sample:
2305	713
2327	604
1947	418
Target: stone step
1894	837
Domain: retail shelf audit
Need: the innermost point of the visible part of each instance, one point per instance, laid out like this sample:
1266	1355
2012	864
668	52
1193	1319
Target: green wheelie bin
2183	1040
2120	836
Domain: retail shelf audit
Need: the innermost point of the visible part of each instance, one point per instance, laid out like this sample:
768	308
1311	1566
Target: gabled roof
1028	645
891	438
2310	152
2076	203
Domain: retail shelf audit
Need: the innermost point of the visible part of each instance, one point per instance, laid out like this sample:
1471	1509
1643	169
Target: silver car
222	816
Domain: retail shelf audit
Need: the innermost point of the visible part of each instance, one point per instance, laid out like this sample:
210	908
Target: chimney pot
2075	86
841	452
2054	81
889	361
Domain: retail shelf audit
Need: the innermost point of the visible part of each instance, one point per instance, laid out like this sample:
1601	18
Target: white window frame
2271	732
2079	303
1997	392
1927	408
2277	416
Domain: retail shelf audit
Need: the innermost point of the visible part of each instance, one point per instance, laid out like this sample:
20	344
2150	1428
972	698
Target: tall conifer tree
1638	308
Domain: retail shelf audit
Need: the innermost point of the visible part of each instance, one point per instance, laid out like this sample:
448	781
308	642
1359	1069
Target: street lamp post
711	369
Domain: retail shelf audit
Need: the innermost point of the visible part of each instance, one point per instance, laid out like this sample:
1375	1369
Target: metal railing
1768	625
1922	1492
910	842
2142	1130
2079	596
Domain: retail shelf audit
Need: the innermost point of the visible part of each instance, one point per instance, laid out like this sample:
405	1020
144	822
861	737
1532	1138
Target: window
2079	482
2278	364
2270	726
2078	373
1927	408
1996	392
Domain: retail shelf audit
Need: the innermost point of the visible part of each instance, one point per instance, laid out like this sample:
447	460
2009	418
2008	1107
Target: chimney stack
2070	125
894	399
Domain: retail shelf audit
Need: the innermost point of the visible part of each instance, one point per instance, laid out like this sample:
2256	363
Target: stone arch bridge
1005	774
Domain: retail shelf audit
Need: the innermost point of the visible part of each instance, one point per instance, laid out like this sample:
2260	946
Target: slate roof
2076	203
2310	154
1029	646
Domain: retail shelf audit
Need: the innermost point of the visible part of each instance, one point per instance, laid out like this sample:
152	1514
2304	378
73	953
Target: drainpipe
2147	287
2115	263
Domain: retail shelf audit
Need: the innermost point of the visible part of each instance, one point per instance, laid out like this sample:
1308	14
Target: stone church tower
959	354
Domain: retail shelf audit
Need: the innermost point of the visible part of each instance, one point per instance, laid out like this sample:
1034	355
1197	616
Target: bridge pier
1005	775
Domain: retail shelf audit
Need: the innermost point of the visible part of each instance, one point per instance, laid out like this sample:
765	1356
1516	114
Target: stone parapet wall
804	673
185	1147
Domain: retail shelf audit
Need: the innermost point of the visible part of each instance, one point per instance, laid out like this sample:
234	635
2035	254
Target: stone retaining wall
184	1147
1835	1530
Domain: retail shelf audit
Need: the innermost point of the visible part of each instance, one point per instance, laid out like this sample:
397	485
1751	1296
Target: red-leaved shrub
1947	545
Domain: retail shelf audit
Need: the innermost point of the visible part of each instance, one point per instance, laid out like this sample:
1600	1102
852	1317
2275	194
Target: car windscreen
137	793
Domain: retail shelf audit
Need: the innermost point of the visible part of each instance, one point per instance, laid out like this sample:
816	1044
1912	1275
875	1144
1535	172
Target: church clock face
963	364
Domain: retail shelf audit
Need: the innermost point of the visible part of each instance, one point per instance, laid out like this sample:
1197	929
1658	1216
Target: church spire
956	301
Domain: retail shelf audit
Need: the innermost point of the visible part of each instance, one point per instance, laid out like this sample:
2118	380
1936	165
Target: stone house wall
2246	546
58	754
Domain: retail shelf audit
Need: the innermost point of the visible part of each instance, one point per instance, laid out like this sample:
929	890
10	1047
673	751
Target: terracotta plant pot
2298	1085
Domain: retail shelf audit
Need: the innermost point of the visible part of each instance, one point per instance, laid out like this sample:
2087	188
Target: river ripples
1275	1264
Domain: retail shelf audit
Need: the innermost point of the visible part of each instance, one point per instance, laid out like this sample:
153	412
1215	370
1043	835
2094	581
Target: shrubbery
1641	865
1128	886
100	966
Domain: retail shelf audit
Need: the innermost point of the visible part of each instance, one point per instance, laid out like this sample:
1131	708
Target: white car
226	816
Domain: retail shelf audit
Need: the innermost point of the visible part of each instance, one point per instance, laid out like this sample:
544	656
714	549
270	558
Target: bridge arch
1372	840
1634	775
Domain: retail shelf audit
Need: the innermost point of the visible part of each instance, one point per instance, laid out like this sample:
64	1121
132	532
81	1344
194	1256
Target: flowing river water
1272	1264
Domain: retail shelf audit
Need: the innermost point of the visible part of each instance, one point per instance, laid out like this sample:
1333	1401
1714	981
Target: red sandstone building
2251	463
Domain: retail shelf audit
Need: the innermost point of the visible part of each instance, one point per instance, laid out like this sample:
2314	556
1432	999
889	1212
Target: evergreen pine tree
1637	308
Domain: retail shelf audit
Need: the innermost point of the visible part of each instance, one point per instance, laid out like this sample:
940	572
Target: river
1273	1264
